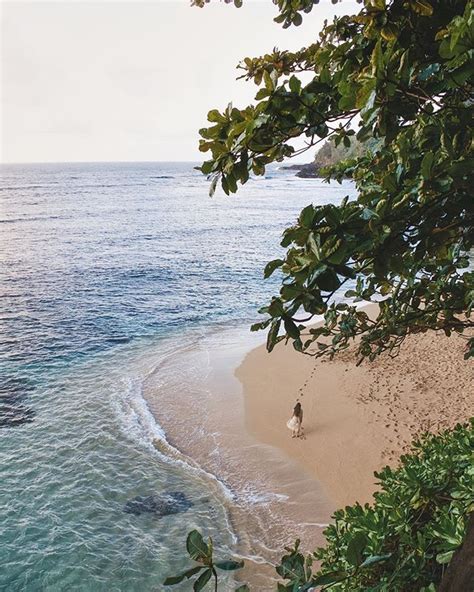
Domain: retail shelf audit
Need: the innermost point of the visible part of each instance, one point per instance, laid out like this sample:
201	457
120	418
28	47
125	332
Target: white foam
138	423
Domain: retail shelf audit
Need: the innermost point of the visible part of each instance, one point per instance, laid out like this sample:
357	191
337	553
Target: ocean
108	271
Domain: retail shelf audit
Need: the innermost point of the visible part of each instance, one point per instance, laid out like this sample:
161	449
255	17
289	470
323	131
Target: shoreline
197	400
356	419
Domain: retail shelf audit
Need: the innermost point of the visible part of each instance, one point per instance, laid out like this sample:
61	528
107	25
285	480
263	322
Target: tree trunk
459	576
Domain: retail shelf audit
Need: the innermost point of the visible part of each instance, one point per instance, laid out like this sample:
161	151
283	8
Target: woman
295	423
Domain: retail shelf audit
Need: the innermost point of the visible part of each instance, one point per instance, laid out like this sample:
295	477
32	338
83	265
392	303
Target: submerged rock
13	416
13	411
171	502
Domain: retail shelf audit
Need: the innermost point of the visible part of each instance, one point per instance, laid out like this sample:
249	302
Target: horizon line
286	160
96	162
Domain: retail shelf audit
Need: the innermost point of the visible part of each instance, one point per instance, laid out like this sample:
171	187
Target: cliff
329	154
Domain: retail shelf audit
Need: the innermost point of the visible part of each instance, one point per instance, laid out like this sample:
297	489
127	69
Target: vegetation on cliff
330	155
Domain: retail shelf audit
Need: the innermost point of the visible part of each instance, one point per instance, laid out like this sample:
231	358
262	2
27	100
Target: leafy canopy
401	73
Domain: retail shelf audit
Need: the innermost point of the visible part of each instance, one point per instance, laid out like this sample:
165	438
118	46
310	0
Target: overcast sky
129	81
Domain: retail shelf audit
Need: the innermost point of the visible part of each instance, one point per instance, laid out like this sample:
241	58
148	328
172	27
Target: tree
402	72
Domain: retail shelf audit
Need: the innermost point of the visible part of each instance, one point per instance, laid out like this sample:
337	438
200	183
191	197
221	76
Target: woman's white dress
293	423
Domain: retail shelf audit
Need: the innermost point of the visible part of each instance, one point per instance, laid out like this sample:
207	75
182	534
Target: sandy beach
356	419
223	403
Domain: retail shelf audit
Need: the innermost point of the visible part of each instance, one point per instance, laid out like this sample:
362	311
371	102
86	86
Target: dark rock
310	170
293	167
13	411
329	155
171	502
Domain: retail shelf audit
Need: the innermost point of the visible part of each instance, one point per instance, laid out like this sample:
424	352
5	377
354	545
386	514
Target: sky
129	81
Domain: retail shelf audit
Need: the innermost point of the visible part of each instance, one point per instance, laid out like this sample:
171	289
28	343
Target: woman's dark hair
297	409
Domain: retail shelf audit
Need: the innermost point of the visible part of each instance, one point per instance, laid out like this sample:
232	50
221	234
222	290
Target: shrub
405	539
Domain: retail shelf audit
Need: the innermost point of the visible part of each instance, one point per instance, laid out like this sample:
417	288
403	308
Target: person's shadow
302	436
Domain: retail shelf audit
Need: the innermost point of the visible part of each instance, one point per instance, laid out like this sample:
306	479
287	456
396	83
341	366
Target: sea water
107	270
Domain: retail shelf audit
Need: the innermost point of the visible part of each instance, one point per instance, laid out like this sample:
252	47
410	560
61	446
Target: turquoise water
107	270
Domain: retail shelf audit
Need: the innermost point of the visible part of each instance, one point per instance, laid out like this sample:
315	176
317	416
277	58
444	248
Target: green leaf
215	117
196	547
263	93
313	245
172	580
276	308
329	578
202	580
355	548
422	7
297	19
213	186
306	217
366	94
328	281
268	81
426	165
271	266
291	291
444	558
273	334
376	5
389	32
295	85
229	565
347	102
291	329
260	326
243	588
372	559
377	60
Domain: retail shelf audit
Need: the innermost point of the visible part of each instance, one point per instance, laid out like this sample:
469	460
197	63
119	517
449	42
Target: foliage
404	540
402	70
203	553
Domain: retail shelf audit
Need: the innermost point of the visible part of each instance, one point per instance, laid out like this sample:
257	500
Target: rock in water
171	502
13	411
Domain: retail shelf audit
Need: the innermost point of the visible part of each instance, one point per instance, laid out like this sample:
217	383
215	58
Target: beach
227	412
123	385
98	330
357	419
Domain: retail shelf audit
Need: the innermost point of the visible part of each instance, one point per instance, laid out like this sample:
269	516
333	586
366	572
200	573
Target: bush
403	541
